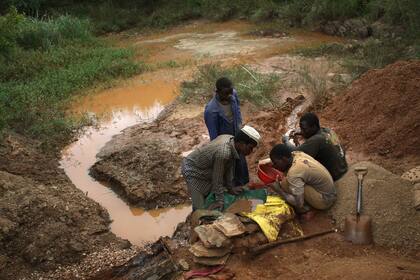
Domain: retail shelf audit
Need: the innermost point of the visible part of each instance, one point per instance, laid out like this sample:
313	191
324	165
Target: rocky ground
143	163
45	222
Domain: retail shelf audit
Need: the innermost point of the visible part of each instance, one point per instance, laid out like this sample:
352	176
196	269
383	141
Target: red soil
379	115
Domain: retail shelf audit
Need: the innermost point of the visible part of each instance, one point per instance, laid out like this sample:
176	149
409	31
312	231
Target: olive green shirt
324	146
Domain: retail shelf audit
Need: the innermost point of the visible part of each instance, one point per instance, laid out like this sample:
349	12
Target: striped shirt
211	168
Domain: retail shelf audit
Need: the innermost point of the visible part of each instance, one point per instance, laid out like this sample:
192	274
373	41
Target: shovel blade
358	230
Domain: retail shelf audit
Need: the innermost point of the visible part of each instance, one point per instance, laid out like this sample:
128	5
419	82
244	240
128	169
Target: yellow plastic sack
271	215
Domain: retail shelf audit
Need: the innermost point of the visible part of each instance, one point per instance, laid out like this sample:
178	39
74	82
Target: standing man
322	144
222	115
211	168
307	183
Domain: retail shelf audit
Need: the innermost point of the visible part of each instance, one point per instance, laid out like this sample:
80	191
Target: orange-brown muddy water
141	98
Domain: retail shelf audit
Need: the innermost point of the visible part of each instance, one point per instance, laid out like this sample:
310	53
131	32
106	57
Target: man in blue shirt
222	115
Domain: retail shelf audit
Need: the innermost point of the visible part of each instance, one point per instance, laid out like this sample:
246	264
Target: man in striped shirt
211	168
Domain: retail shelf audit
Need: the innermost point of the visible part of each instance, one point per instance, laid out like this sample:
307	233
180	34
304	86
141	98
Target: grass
316	84
113	16
360	56
254	87
46	63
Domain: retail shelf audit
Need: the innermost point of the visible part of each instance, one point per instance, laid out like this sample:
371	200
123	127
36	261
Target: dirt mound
388	199
44	220
380	113
143	163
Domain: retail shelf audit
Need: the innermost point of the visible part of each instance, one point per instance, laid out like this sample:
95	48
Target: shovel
358	229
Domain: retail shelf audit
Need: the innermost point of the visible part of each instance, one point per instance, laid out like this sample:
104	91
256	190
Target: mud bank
143	163
44	220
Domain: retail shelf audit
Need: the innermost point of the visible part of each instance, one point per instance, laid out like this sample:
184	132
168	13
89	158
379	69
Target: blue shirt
216	121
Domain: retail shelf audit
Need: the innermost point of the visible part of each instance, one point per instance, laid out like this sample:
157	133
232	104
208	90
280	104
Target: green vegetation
43	63
359	57
112	15
252	86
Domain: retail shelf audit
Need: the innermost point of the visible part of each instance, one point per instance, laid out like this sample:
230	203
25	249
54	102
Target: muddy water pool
142	98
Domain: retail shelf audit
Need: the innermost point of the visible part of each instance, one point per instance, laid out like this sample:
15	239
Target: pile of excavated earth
379	115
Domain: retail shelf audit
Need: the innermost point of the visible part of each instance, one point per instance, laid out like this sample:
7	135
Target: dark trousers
241	176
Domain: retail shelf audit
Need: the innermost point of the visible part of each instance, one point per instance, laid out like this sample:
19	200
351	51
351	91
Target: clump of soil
388	200
379	115
44	220
143	163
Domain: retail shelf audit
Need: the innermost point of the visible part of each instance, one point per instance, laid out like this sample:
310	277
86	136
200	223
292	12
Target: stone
203	214
199	250
417	196
412	175
230	225
211	237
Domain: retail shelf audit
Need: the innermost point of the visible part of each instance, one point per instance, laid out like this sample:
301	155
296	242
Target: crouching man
307	182
211	168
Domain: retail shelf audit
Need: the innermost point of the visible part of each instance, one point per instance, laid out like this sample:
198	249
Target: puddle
141	98
120	108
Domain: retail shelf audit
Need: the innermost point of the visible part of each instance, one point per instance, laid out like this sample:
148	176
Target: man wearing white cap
211	168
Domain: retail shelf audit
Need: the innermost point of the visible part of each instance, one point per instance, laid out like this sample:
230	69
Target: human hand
216	206
264	161
236	190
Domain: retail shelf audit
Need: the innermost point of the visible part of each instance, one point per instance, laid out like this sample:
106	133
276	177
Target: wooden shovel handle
261	248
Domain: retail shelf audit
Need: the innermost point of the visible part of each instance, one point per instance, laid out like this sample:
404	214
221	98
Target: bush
326	10
9	28
39	34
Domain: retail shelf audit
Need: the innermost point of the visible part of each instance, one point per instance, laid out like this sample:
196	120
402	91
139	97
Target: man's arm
296	199
212	124
297	188
311	146
238	108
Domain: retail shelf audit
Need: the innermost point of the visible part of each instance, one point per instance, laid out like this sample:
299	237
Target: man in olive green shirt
307	182
322	144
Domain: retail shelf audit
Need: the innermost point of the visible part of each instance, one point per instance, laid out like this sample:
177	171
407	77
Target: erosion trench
139	100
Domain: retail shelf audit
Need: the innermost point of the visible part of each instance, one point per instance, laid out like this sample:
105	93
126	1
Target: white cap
252	133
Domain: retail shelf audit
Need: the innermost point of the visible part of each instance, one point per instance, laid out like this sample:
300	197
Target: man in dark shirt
222	115
322	144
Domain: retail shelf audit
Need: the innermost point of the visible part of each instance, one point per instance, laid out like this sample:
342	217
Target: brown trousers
311	196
